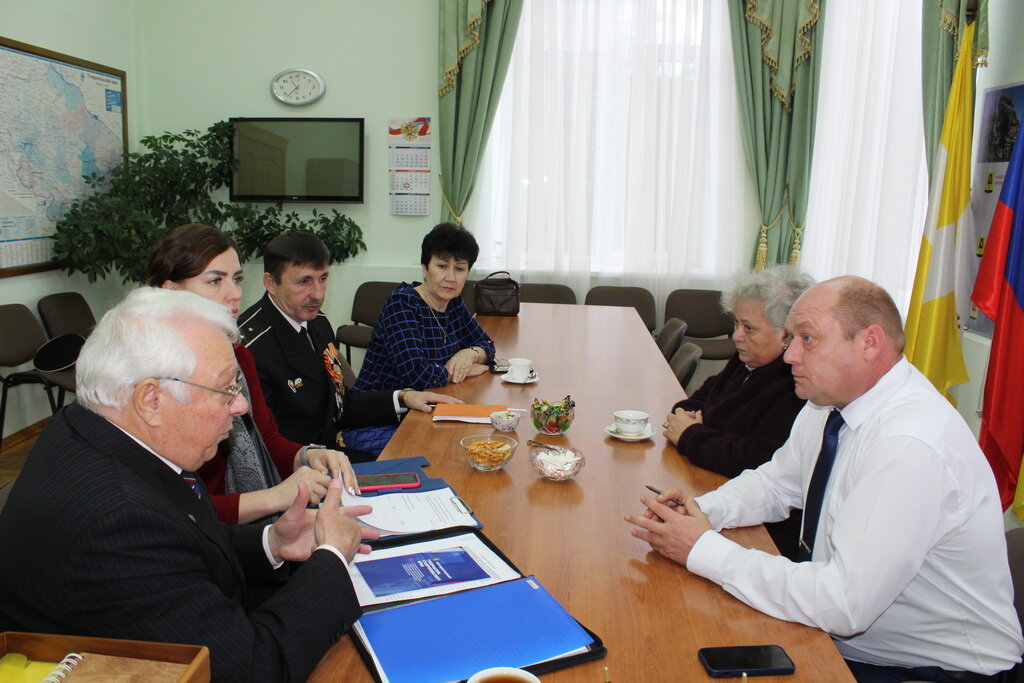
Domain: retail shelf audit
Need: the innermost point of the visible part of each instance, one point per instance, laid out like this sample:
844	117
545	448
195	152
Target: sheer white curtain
616	156
869	181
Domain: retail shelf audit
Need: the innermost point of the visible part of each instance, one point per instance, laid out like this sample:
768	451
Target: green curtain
475	45
777	54
943	22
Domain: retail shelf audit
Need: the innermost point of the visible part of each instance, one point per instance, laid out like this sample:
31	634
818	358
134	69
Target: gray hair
777	289
140	338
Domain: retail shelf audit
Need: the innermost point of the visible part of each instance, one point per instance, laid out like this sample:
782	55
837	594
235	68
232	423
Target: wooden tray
52	648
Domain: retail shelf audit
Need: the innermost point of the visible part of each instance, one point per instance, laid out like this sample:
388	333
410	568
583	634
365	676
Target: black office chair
637	297
708	326
366	304
670	337
537	293
66	313
21	336
684	362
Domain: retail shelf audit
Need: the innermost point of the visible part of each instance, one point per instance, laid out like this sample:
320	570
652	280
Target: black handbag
497	295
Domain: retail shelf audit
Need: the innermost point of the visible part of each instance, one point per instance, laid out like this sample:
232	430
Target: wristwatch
302	452
401	397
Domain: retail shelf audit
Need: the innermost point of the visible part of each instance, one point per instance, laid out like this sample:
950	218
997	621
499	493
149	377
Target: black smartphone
753	660
499	366
377	482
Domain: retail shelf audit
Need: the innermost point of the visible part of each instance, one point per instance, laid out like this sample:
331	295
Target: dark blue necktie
193	481
819	482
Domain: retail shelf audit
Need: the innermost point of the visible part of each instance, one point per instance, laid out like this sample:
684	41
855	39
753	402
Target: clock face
297	86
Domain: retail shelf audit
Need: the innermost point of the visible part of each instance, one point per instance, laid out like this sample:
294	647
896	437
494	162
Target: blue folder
516	623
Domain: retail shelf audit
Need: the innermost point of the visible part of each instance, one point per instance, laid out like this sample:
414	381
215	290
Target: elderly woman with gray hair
740	416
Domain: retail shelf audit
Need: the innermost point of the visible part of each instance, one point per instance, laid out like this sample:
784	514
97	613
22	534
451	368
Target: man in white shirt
908	568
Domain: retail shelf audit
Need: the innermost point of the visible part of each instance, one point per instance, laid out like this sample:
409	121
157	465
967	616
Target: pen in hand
672	500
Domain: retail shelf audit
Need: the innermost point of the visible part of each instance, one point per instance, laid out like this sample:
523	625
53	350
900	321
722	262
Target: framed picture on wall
61	119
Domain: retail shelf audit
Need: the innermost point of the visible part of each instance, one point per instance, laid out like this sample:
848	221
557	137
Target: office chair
367	302
66	313
670	336
637	297
21	336
684	362
708	326
546	294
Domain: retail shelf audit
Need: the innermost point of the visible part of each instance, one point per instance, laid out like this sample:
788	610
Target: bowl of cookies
488	452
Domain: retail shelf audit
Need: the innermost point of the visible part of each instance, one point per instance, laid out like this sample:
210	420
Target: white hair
140	338
776	288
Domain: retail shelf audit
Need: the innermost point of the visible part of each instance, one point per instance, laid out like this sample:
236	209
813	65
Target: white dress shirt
909	565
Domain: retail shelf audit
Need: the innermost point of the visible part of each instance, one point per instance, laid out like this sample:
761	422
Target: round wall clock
297	86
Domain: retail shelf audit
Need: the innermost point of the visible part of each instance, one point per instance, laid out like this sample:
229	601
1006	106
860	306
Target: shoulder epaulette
248	342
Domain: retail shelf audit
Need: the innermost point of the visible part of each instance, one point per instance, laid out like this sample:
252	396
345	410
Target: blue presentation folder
516	623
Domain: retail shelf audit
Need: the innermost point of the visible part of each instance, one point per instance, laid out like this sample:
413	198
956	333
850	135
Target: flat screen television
297	160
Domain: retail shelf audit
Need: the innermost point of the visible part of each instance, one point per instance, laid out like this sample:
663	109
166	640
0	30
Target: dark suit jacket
746	419
101	538
295	382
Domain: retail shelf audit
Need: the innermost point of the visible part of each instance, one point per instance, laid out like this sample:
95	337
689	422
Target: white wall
191	63
101	32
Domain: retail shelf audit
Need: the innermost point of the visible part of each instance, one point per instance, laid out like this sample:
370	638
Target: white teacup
631	422
503	673
520	369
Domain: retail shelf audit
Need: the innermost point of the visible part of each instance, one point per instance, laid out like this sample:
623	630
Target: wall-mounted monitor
297	160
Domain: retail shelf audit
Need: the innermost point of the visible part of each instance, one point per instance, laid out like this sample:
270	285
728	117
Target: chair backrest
670	336
20	335
705	320
66	313
702	311
546	294
369	299
469	296
684	362
637	297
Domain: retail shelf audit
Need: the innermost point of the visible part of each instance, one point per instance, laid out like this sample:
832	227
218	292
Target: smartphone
376	482
499	366
753	660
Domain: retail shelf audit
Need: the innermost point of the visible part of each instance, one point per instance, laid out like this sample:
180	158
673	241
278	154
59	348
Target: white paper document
410	513
427	569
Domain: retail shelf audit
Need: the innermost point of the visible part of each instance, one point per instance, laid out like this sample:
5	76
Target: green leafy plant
168	184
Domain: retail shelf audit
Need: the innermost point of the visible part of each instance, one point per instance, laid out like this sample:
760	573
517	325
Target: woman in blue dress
425	337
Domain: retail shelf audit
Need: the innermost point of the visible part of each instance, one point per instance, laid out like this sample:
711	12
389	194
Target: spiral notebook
90	666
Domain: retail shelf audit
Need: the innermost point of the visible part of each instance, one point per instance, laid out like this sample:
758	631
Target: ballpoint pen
673	500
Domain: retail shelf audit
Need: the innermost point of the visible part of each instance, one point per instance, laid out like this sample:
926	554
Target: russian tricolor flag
999	293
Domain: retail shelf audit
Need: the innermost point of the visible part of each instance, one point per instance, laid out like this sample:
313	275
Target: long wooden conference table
651	613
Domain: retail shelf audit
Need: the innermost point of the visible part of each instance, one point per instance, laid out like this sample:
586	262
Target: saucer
529	380
610	430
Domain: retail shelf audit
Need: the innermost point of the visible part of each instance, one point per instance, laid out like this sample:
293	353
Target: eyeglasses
232	392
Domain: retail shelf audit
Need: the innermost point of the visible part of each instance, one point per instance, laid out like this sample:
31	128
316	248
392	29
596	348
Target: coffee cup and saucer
630	425
520	371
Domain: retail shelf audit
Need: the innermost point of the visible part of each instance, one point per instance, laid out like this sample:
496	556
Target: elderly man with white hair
108	533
